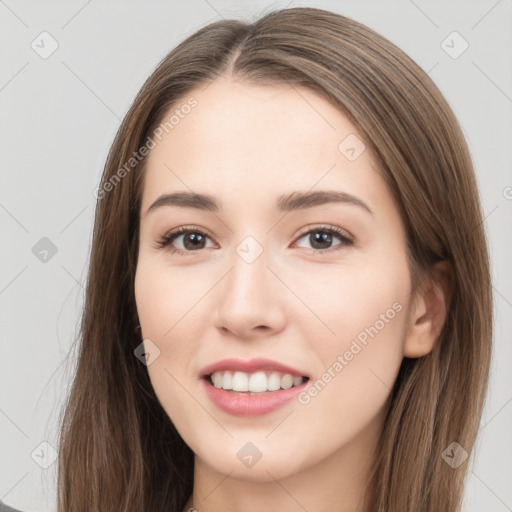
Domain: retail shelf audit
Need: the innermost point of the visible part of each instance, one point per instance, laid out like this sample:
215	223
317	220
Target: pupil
323	237
195	239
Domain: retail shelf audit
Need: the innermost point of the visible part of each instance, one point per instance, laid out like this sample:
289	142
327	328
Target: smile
251	388
258	382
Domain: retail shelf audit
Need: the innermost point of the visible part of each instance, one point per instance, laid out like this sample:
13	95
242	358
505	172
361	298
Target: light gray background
58	119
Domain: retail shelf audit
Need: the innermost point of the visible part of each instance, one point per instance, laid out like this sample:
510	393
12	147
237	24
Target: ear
429	311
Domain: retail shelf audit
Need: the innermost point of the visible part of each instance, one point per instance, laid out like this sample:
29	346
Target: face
267	285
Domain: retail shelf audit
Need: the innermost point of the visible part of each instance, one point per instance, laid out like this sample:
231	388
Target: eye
193	240
321	238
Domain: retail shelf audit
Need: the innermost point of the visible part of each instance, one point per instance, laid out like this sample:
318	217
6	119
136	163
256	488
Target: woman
226	365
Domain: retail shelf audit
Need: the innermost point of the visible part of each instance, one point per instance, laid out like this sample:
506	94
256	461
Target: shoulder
5	508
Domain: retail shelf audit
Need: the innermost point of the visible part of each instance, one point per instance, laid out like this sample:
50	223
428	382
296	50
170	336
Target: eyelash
167	239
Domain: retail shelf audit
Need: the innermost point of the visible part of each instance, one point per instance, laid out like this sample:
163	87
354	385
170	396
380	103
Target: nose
249	300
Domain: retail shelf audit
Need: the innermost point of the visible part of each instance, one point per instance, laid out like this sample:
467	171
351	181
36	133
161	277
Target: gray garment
5	508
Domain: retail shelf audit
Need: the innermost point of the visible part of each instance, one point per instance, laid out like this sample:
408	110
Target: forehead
274	139
233	118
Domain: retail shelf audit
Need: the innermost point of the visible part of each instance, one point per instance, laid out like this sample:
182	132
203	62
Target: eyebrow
285	203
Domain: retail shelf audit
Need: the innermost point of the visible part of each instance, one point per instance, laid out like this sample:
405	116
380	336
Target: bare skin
247	145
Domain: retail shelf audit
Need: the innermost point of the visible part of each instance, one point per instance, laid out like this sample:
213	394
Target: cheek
167	306
358	361
348	302
165	297
157	311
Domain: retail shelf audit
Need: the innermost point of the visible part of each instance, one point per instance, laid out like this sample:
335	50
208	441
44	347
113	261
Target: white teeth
227	380
257	382
274	382
240	381
217	379
287	381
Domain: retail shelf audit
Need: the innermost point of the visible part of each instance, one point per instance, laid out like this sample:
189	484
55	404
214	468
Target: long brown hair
119	451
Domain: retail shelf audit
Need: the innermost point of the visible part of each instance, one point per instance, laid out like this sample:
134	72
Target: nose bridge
248	278
249	297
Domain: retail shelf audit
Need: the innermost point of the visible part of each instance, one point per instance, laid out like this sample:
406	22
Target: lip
243	404
251	366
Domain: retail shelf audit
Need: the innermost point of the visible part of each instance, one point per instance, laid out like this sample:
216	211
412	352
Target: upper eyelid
326	227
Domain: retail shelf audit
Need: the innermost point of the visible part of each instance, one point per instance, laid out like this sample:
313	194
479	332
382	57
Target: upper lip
251	366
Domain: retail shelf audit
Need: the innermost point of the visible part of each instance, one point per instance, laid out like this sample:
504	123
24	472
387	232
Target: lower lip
242	404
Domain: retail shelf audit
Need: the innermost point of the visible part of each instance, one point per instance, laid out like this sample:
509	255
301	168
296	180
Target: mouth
251	388
256	383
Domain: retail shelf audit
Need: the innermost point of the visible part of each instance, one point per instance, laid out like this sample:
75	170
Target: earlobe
429	311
